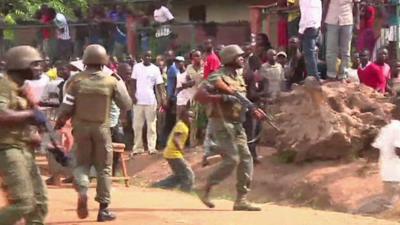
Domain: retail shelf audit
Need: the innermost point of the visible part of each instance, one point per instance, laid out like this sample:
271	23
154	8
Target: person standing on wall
338	22
163	19
310	22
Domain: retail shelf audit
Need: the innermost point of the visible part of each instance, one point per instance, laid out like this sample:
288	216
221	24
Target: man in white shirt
184	87
163	18
388	143
38	86
146	76
310	22
338	19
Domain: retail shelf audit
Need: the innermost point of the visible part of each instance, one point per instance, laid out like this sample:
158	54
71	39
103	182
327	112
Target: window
197	13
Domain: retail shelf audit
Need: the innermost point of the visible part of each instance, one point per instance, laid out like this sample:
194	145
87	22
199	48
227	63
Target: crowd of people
211	96
101	25
63	37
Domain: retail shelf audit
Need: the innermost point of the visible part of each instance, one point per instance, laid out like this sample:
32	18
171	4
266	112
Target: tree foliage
26	9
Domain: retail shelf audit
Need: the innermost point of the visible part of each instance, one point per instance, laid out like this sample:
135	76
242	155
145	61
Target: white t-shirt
163	15
52	91
38	86
352	75
146	78
387	140
311	14
186	94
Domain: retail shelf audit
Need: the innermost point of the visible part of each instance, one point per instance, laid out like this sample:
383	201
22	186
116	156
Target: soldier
26	192
88	102
224	93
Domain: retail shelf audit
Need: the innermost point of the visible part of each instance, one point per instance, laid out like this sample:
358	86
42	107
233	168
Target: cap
78	64
180	59
282	54
60	20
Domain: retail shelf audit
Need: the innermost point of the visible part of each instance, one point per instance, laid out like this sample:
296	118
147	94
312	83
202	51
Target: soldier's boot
241	204
82	208
104	214
204	196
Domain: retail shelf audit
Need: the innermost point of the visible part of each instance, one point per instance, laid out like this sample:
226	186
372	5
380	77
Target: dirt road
157	207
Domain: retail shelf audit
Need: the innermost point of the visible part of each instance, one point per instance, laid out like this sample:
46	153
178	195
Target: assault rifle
223	87
55	150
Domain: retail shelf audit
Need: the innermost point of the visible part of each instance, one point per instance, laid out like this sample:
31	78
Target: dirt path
157	207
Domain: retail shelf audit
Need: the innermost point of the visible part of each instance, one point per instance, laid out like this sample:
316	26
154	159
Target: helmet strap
20	76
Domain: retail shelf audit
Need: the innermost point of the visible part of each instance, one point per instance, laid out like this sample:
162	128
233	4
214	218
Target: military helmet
95	55
229	53
21	57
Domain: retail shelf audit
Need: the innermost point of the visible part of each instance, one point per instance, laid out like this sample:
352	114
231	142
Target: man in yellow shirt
183	175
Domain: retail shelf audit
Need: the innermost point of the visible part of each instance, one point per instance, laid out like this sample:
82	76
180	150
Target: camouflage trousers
93	147
26	191
231	143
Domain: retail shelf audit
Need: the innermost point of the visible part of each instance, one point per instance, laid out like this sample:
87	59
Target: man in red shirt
45	19
212	62
366	38
377	74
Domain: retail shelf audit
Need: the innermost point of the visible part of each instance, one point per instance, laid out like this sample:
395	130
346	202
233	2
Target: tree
26	9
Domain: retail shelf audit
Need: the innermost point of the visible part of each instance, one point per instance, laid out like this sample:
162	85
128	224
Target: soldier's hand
259	114
35	140
39	118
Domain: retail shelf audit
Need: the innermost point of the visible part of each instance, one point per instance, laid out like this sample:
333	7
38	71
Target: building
219	11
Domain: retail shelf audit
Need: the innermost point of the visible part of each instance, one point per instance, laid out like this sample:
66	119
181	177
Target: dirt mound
333	121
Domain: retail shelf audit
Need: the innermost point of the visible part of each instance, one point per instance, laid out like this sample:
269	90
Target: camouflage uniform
224	92
88	101
20	176
227	132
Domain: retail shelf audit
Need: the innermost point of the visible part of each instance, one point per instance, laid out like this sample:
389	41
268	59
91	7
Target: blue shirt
120	37
119	33
172	74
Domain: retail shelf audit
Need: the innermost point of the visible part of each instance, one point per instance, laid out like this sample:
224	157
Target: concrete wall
219	11
223	11
225	34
